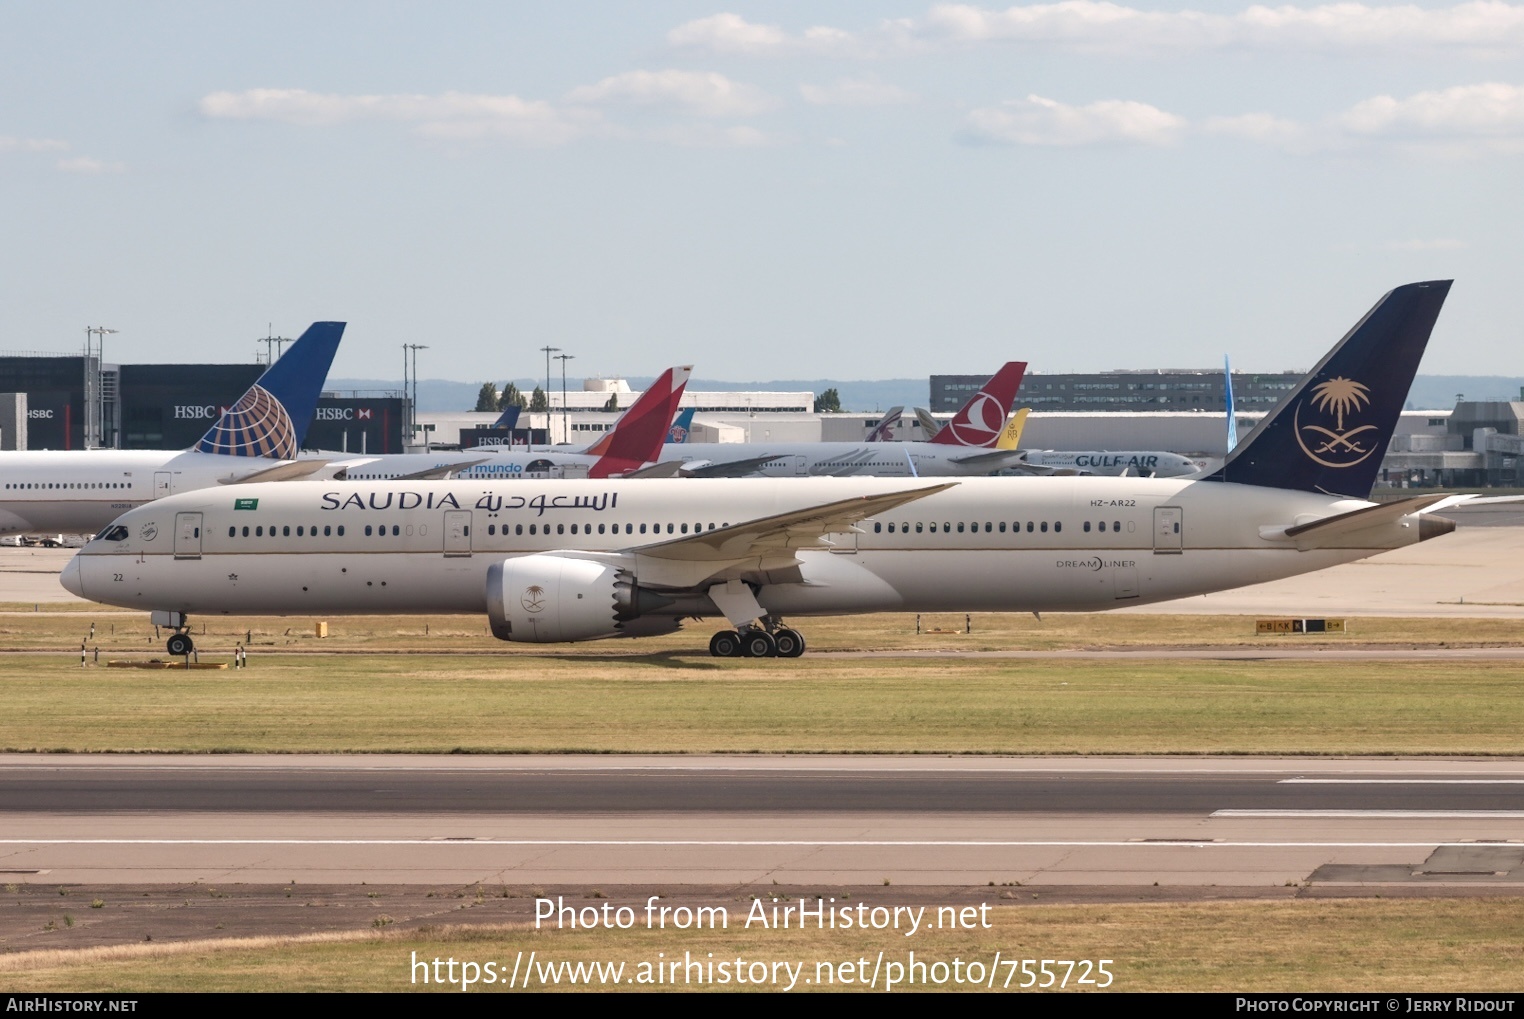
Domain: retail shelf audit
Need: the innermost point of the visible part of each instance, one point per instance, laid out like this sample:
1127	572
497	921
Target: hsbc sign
46	414
344	414
197	412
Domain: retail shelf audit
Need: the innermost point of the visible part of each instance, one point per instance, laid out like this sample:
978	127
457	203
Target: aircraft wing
291	470
758	548
990	460
664	469
442	471
725	468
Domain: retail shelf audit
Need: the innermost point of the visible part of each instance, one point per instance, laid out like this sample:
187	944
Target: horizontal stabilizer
1335	531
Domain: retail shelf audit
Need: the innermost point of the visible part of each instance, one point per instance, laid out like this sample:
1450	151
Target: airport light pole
565	427
274	345
548	351
95	397
412	404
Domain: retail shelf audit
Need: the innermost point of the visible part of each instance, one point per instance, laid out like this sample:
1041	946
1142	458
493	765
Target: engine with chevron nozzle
549	598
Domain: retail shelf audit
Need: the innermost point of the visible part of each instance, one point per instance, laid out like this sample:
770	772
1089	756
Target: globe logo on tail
1325	437
257	425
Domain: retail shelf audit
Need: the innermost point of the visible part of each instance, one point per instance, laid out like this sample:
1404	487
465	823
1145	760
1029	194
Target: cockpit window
116	532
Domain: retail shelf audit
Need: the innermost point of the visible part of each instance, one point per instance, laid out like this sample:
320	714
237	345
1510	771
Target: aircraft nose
72	579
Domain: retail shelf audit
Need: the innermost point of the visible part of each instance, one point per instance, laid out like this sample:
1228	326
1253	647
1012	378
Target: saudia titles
489	501
1336	446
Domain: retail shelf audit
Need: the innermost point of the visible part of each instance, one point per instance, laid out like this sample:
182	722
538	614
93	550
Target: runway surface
727	821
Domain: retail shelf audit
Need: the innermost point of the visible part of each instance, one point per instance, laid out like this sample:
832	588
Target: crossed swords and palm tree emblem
1339	396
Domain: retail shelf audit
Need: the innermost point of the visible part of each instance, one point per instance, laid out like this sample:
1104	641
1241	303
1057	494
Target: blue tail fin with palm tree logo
1330	433
271	419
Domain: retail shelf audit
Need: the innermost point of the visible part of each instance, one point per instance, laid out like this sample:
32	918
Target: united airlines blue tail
1227	394
1330	433
509	418
271	419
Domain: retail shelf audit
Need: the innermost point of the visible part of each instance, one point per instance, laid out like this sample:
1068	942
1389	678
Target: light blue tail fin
1227	382
681	426
271	419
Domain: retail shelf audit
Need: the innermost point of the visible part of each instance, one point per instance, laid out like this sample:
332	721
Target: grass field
1370	945
384	685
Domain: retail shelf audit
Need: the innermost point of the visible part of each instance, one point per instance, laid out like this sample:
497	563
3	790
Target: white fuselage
1135	463
487	463
81	491
985	544
843	459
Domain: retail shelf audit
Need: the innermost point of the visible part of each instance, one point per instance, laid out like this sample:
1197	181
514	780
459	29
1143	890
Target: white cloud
1488	111
1040	121
855	92
10	144
83	164
1099	26
705	94
731	33
448	115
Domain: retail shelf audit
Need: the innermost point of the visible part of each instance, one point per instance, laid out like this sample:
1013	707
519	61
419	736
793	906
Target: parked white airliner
583	560
964	448
81	491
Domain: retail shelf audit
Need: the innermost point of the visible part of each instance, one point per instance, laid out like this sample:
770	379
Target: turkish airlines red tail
981	420
637	437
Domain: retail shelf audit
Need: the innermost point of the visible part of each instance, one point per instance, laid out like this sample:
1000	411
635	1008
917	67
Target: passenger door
457	531
187	535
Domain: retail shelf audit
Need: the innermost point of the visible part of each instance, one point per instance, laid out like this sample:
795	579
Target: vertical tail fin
1010	438
930	427
271	419
681	426
509	418
1330	432
884	430
637	437
980	421
1227	392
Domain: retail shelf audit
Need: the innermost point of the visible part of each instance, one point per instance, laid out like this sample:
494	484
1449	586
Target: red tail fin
637	437
980	421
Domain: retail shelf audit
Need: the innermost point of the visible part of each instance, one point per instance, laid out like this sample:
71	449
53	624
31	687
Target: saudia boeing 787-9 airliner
583	560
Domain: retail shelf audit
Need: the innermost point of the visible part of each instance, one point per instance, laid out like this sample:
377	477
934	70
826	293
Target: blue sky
766	190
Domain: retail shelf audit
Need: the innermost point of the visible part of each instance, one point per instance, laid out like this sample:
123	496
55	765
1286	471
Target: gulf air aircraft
632	444
584	560
79	491
964	448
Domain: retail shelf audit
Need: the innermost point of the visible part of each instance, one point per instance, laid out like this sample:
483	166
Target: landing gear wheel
758	644
725	644
180	644
790	642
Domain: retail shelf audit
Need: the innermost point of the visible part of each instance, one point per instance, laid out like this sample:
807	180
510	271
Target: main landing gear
758	642
180	644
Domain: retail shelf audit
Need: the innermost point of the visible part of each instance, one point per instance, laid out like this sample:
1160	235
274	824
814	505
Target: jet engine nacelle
550	598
